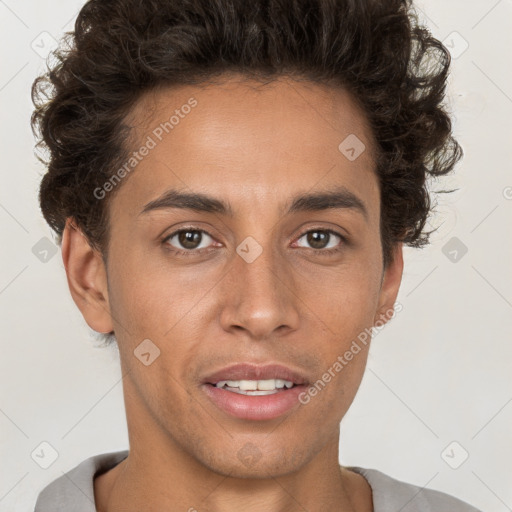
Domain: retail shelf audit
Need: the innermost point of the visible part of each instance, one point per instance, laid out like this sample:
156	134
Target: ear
390	285
87	278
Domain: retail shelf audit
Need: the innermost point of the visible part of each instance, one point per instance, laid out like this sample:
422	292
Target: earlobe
87	278
390	285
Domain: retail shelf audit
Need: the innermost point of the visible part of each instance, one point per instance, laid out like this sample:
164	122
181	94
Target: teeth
256	385
267	384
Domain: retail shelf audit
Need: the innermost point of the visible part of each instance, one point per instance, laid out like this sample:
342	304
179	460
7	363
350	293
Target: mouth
255	392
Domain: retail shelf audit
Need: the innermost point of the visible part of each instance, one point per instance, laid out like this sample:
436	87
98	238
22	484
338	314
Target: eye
192	241
319	240
189	239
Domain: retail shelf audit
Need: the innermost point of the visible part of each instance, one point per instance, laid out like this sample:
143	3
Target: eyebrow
334	198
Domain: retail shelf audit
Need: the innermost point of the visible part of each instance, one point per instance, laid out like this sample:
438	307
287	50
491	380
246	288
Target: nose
260	297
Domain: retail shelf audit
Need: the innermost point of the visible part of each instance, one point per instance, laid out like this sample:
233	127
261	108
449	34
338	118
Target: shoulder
391	495
74	490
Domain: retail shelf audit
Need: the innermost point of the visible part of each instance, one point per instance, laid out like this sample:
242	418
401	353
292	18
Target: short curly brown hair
121	49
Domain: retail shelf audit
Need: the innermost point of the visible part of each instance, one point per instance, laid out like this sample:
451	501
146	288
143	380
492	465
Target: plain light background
438	385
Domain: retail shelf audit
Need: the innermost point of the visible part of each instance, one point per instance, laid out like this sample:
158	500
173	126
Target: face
270	280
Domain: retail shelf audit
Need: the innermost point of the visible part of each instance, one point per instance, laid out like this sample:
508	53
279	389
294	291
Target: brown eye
188	239
320	238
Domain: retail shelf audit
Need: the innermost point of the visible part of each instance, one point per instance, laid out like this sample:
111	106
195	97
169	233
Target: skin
292	305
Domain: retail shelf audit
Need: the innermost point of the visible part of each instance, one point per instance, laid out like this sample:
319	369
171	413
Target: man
232	183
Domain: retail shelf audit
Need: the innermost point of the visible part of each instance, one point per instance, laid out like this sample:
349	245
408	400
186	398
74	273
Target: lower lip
247	407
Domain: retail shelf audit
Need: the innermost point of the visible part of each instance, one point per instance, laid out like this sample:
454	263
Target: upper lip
247	371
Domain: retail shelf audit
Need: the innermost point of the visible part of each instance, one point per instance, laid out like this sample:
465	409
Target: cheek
345	299
148	299
345	308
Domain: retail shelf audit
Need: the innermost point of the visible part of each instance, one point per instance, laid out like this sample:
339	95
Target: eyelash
195	252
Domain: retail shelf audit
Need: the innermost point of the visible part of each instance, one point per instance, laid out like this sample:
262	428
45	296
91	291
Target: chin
253	461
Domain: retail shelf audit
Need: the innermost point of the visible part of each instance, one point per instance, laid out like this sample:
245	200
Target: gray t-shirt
74	491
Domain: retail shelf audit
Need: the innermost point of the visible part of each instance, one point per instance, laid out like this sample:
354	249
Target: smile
255	387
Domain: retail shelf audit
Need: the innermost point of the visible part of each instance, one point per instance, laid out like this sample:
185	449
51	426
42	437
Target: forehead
247	141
